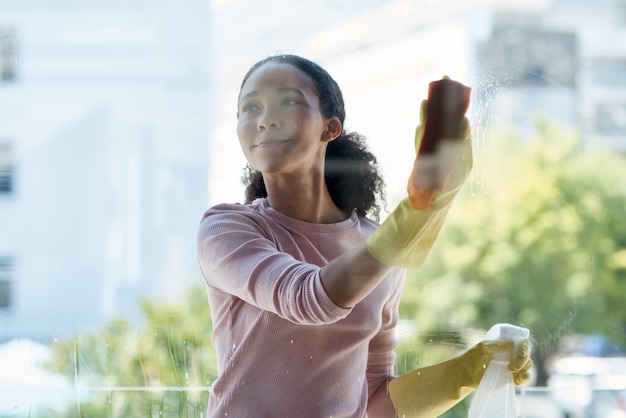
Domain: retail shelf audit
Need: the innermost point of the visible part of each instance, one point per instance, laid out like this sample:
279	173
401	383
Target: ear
333	129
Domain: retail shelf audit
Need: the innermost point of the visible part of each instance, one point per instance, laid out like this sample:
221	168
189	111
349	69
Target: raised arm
349	278
404	239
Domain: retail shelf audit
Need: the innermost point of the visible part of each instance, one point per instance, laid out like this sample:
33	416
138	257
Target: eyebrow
280	90
290	90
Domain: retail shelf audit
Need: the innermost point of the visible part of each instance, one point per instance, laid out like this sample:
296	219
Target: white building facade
103	159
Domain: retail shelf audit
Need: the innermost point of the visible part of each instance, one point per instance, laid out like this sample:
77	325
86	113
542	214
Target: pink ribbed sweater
284	348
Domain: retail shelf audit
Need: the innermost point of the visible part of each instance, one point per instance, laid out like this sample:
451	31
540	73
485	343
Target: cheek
244	132
240	129
244	136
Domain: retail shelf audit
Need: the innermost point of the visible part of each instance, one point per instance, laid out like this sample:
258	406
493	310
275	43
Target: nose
267	121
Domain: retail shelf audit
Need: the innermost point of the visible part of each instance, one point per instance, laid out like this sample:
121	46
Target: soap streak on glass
482	117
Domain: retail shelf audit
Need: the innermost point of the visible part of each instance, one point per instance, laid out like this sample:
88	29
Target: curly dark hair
351	170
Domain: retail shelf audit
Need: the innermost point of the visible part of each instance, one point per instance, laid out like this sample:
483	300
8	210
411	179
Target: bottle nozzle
509	332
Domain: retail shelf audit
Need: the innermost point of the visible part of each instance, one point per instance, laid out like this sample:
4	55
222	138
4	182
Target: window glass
8	54
6	168
6	270
119	130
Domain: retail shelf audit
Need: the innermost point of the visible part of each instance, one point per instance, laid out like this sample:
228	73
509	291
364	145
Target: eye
249	107
289	101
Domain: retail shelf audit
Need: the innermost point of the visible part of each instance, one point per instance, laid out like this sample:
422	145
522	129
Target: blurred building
103	158
565	60
561	60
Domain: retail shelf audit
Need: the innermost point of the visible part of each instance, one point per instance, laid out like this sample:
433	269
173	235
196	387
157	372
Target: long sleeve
242	255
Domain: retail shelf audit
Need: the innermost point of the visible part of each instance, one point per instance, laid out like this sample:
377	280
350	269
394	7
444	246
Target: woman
303	288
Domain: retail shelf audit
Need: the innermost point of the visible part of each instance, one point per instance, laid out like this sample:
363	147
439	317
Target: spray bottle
495	395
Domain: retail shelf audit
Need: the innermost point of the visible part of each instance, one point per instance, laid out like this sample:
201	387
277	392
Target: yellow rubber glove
430	391
406	236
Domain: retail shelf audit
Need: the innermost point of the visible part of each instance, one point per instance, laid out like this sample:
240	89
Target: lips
270	143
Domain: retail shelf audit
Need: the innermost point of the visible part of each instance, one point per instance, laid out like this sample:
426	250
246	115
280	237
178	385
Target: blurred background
117	130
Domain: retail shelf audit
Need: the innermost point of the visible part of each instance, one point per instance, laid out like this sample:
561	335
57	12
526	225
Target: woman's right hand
406	236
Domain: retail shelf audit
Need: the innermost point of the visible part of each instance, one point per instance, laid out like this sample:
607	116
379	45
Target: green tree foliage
544	246
160	369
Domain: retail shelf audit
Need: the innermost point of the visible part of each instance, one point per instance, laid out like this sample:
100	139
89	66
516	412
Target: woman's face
280	126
